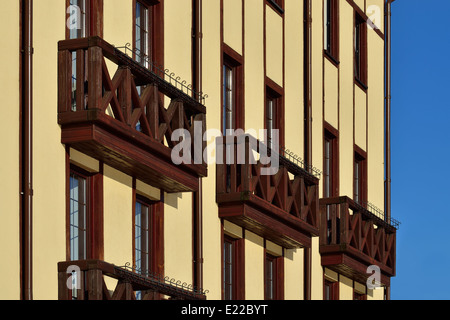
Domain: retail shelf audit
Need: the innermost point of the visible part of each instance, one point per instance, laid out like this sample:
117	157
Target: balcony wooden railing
88	283
282	207
352	238
123	120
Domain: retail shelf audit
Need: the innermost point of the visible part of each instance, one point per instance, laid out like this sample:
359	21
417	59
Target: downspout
388	119
197	196
308	126
27	151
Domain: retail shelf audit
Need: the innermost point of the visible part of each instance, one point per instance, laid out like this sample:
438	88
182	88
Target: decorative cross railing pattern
346	225
291	188
85	280
134	96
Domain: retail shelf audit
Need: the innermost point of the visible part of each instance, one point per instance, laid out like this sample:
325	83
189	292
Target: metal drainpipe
308	128
388	118
27	150
197	196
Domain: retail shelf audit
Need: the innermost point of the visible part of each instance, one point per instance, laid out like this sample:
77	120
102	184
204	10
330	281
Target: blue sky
420	148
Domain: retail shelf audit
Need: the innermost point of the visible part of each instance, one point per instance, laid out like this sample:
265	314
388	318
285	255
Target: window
232	285
78	216
360	51
78	17
330	166
143	236
232	102
274	115
142	42
331	36
330	290
273	277
360	177
277	5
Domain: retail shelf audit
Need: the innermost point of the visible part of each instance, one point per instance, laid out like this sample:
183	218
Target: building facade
114	185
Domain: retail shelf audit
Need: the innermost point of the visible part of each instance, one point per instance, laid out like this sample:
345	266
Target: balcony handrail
293	163
167	82
367	209
140	282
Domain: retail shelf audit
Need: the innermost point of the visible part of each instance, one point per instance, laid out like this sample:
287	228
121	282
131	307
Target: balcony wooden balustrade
282	207
88	283
122	120
352	238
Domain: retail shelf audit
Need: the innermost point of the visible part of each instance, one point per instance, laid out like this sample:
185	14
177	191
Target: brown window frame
360	176
333	290
276	277
233	61
237	269
87	177
155	36
360	51
359	296
331	137
275	94
94	211
151	237
331	33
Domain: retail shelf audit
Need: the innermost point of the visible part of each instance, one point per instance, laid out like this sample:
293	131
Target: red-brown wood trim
277	6
333	134
97	222
272	89
366	18
360	155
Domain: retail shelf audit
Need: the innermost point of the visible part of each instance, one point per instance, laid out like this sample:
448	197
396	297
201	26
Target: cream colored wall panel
294	96
345	288
9	170
331	275
375	146
148	191
211	85
331	94
232	24
375	12
254	66
375	294
117	216
360	118
274	249
178	236
233	230
293	274
346	99
254	266
360	288
118	22
178	38
49	183
84	161
316	271
274	46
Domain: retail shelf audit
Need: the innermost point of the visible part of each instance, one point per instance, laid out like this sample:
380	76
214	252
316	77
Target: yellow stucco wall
274	46
232	24
49	183
9	171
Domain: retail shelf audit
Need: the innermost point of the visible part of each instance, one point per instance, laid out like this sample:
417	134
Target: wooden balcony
282	207
126	120
88	283
352	238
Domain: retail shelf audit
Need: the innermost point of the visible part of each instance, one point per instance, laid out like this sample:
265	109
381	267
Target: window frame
277	277
360	183
237	268
155	35
276	94
360	51
86	176
333	289
331	136
277	5
87	19
151	261
331	30
232	60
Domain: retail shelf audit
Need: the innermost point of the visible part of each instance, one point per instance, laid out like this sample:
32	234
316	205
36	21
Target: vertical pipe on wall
197	196
308	123
388	42
27	151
